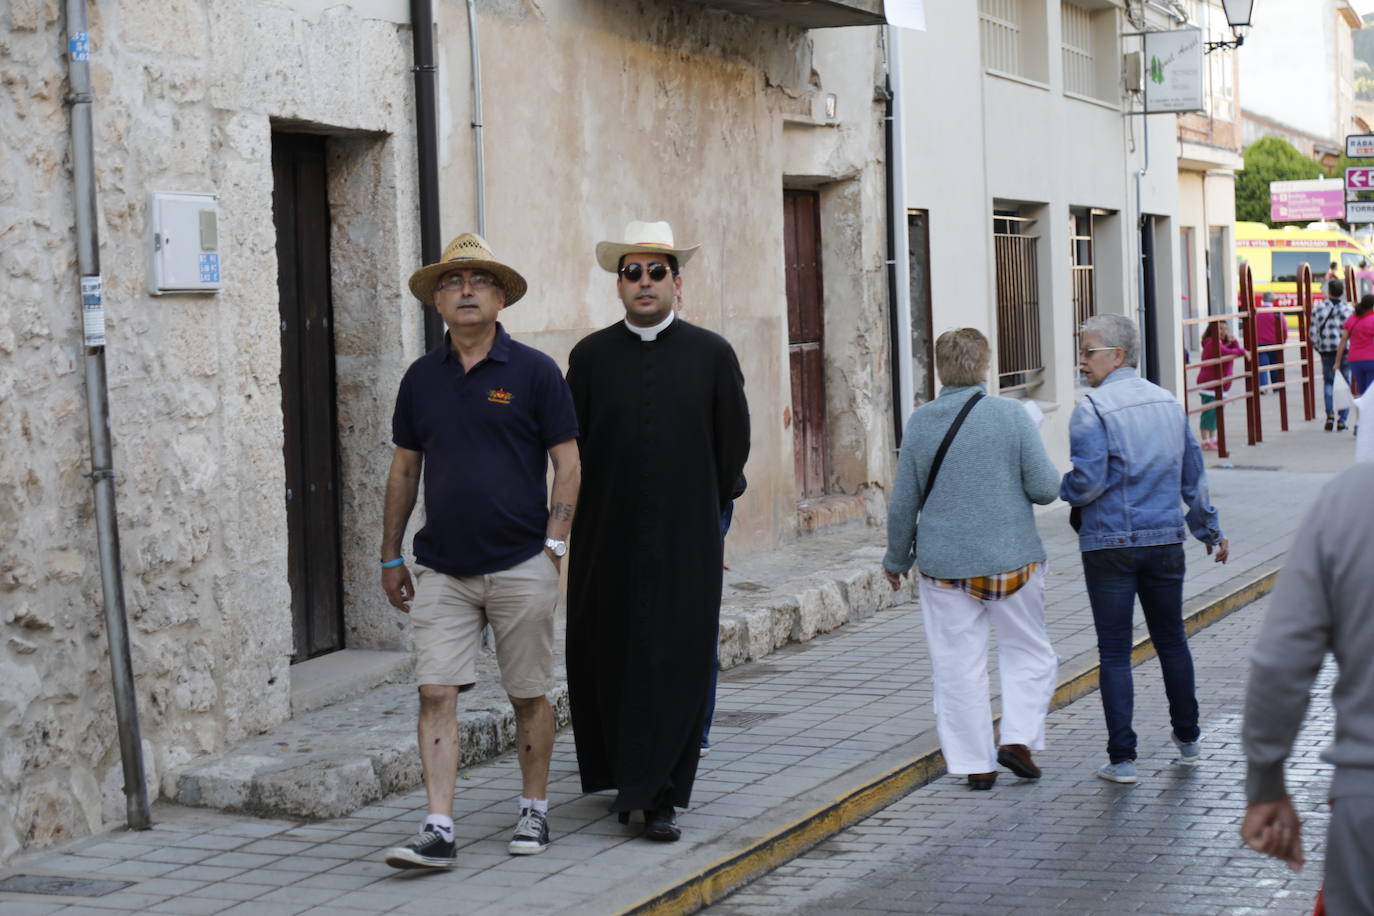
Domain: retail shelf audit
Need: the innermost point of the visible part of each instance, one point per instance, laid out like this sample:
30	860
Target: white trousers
957	635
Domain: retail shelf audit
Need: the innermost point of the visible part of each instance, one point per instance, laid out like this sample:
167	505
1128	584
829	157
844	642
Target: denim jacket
1135	465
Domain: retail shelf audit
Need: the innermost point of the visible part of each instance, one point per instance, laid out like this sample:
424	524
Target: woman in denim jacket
1135	466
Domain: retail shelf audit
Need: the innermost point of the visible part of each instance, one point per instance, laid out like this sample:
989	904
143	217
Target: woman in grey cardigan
980	561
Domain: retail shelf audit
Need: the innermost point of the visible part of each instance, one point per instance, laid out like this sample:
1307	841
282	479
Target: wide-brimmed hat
645	238
468	251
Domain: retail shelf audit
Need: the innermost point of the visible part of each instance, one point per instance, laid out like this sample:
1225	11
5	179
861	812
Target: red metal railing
1278	370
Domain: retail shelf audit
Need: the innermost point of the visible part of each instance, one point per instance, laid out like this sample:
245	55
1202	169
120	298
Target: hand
893	579
399	588
1273	828
557	560
1223	550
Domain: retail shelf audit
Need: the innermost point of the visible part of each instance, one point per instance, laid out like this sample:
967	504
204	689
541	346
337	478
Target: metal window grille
1019	366
1080	69
1081	272
1000	24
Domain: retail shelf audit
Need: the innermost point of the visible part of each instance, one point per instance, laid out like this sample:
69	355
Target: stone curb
294	778
296	782
762	854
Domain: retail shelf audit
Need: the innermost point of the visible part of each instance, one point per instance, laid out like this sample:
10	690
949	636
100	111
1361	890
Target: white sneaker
1189	752
1123	772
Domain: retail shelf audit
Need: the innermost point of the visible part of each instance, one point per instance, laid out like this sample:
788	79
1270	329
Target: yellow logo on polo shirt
500	396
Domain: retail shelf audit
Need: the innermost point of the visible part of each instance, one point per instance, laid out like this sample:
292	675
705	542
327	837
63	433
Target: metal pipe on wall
479	162
899	264
426	148
102	474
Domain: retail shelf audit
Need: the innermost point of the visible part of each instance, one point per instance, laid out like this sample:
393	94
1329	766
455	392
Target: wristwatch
559	548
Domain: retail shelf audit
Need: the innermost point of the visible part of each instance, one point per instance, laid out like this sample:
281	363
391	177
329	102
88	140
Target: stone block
731	648
758	632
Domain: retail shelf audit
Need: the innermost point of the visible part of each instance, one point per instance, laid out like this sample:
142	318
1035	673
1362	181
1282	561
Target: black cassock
664	435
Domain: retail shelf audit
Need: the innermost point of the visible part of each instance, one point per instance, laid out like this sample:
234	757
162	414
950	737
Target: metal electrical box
184	241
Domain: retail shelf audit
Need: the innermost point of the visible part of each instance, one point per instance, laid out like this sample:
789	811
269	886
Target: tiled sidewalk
793	733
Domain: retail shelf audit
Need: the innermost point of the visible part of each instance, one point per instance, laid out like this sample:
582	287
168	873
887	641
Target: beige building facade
297	118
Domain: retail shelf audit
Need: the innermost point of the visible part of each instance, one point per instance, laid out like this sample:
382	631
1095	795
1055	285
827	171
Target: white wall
974	139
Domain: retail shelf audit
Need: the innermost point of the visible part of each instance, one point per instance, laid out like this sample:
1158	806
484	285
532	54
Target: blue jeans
1268	359
1329	377
1361	375
1114	578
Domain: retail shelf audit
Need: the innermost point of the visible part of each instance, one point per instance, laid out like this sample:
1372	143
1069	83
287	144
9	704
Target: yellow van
1274	256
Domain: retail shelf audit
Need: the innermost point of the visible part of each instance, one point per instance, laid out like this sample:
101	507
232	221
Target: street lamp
1238	18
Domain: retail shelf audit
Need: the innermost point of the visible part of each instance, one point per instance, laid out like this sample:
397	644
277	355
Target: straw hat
646	238
468	251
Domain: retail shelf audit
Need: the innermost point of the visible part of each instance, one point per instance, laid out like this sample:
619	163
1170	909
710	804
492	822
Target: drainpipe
899	263
478	165
98	416
1140	248
426	150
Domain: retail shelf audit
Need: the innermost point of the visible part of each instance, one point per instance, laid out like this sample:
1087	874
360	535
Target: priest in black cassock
664	436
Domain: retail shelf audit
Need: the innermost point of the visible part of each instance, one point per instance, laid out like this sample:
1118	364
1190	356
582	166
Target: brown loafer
1017	758
982	781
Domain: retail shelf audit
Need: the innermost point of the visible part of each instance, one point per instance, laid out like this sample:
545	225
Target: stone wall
598	112
186	97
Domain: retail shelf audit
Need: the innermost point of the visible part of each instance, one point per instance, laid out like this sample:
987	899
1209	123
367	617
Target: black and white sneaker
428	849
531	834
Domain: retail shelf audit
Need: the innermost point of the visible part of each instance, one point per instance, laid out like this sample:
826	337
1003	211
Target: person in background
1328	317
1357	343
981	561
1216	342
1270	329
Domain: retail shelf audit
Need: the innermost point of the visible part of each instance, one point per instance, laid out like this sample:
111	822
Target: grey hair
1115	331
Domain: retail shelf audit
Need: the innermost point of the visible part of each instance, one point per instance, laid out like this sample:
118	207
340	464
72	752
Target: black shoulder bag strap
944	445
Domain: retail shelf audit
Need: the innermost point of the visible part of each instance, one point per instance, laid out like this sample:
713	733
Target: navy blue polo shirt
485	436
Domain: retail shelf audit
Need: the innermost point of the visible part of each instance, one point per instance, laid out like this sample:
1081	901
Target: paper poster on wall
1173	71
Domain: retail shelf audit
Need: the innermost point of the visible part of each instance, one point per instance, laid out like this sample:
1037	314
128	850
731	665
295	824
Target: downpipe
102	475
426	149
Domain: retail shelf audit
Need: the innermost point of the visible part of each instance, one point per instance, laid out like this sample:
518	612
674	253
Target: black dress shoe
662	825
982	781
623	817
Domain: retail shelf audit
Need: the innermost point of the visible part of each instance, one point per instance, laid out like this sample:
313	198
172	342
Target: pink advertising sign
1305	206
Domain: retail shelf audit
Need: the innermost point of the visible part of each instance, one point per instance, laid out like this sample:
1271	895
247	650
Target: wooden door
805	333
300	211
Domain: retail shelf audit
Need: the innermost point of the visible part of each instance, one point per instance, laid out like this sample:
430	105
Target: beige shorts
448	614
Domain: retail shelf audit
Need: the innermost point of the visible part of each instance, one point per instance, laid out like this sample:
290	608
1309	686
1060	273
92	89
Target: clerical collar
649	334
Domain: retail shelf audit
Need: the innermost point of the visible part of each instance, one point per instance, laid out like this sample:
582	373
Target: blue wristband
392	564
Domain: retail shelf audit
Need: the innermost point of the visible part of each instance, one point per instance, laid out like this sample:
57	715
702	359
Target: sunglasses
656	271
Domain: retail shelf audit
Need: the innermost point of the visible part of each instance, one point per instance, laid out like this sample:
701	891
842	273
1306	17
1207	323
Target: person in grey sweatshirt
981	561
1324	602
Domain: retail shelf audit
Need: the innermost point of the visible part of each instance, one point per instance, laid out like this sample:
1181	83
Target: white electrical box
184	243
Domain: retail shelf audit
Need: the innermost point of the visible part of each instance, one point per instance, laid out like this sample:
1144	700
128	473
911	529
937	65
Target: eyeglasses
656	271
455	281
1085	352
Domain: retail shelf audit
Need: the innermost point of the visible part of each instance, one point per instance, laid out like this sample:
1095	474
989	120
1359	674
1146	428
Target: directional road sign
1359	146
1359	211
1359	178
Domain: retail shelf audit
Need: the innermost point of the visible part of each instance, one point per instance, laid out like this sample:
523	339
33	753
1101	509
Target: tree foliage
1270	159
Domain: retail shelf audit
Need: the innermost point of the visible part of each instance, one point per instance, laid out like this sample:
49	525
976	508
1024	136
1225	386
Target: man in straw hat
664	436
481	415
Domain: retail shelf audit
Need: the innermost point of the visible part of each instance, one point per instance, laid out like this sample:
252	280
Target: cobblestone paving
1072	842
